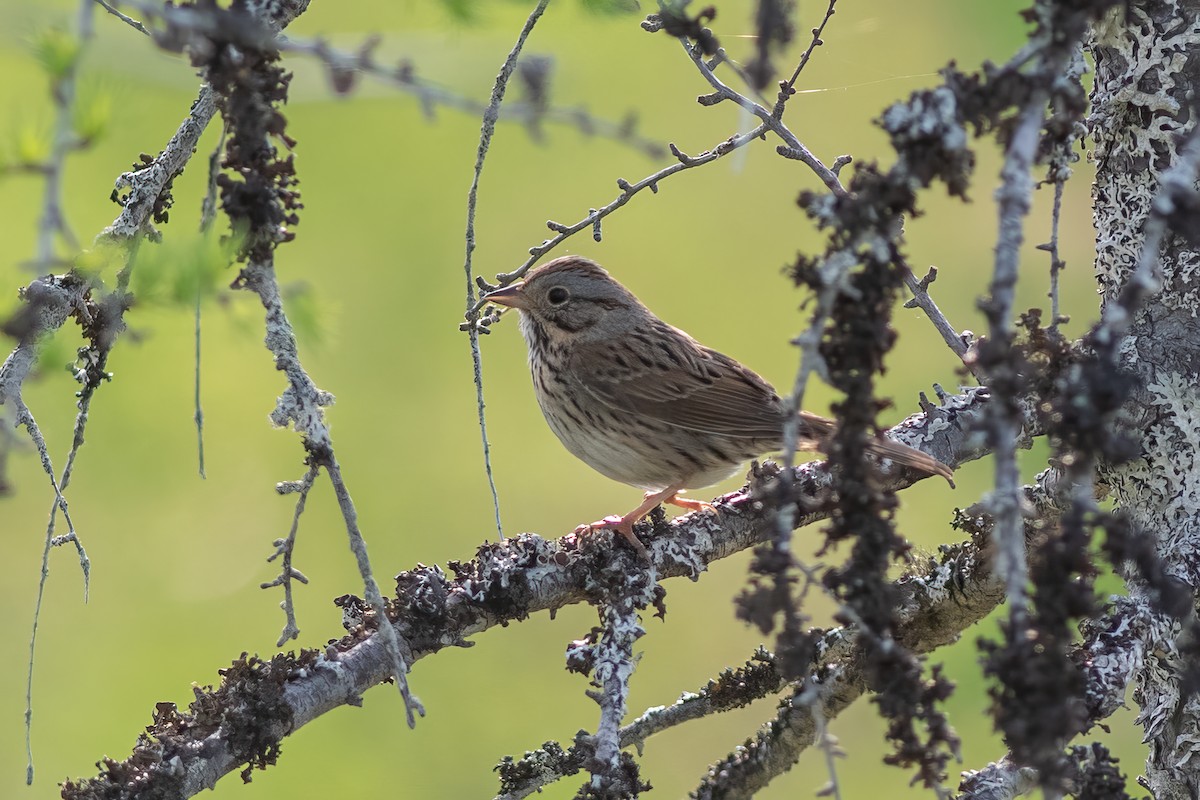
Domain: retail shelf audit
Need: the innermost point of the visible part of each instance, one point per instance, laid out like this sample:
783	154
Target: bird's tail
910	457
816	432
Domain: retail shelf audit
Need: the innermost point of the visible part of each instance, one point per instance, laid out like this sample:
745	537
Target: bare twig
24	417
921	299
1059	172
208	213
345	66
490	115
628	190
805	56
287	548
301	405
53	221
722	59
133	23
1051	247
757	679
809	697
770	121
198	413
792	147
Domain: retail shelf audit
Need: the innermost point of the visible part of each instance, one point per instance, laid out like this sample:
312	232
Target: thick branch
1147	62
507	581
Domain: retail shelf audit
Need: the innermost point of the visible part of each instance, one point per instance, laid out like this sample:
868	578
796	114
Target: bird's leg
686	502
624	525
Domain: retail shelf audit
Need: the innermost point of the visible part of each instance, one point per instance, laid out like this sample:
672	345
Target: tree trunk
1147	66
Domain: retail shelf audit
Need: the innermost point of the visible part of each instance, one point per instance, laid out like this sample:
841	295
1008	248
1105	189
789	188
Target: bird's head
571	299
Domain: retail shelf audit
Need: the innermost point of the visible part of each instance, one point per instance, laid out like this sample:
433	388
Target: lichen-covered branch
1013	199
935	603
1147	65
608	656
507	581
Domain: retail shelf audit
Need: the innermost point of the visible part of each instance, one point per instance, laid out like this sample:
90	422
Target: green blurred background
177	560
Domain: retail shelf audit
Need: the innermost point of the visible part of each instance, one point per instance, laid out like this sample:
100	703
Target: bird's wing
666	375
669	376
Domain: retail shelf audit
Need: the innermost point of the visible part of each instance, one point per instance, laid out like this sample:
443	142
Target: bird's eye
558	295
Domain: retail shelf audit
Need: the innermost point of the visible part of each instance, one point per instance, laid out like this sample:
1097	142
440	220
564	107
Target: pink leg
688	503
624	525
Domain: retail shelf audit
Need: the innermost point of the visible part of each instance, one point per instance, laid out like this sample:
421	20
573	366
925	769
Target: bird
645	404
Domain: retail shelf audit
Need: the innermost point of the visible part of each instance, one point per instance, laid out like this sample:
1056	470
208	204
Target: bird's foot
687	502
622	525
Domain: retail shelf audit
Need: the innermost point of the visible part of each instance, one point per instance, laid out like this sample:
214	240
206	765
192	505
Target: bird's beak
510	296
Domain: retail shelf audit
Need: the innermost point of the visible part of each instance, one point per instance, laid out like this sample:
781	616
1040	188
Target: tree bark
1147	66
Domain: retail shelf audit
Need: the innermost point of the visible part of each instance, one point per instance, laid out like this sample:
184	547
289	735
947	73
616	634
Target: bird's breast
630	448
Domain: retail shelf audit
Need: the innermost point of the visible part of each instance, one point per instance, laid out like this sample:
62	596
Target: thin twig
301	405
921	299
397	648
490	115
345	66
198	412
628	190
696	705
133	23
25	417
286	548
208	213
722	58
1056	263
812	45
792	147
53	219
53	222
1059	172
809	697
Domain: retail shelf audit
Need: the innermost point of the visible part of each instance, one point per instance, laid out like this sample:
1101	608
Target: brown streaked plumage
643	402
